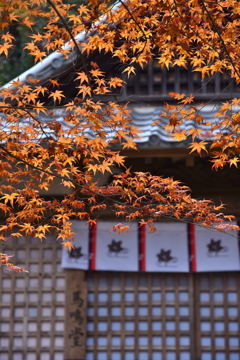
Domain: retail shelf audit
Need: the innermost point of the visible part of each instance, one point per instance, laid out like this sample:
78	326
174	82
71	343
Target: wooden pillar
75	315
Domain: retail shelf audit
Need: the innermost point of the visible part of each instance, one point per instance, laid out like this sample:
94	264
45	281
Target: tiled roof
153	136
156	135
147	84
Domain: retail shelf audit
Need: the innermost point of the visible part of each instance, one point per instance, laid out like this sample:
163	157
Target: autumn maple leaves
34	153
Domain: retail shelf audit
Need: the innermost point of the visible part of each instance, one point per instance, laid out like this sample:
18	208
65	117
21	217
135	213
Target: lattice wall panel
218	316
32	305
138	317
152	80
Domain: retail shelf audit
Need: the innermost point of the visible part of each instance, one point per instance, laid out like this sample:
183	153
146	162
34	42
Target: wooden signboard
75	315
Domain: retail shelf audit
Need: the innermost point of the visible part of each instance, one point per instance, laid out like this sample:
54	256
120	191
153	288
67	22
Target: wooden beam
75	315
156	153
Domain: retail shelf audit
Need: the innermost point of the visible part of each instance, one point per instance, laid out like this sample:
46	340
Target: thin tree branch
133	18
220	37
51	173
39	123
188	27
74	41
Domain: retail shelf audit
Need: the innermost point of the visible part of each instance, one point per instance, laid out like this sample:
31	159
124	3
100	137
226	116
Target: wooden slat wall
138	317
217	318
163	316
32	306
130	316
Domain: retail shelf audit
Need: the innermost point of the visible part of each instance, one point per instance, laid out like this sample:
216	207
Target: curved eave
56	62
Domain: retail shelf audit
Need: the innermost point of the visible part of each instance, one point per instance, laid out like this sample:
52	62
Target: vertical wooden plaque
75	315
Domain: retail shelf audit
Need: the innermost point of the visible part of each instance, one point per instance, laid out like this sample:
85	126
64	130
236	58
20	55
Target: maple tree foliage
34	153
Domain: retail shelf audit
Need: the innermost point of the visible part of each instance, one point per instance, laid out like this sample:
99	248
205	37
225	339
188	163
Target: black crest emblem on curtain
116	249
165	258
215	248
76	254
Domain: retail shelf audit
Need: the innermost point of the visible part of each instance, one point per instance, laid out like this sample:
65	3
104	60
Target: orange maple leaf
129	143
179	136
130	70
54	82
118	159
176	95
84	90
198	146
57	95
234	161
82	77
115	82
9	198
68	245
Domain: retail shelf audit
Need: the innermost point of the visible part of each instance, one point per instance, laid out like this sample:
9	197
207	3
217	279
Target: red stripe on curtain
94	245
143	247
193	246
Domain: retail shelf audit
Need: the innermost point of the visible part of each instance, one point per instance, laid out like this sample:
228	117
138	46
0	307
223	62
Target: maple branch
110	197
133	18
213	22
187	221
215	97
220	37
73	40
194	32
31	107
139	27
39	123
59	176
48	172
